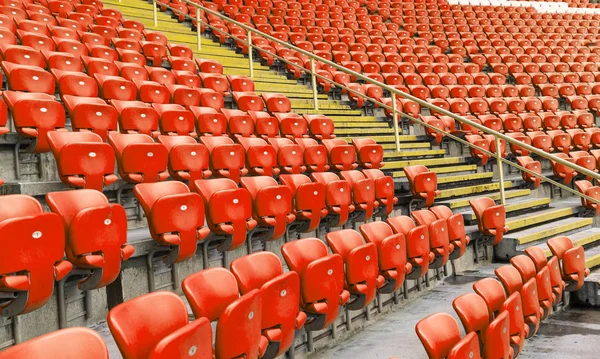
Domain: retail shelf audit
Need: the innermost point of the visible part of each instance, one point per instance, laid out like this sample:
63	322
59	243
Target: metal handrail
394	92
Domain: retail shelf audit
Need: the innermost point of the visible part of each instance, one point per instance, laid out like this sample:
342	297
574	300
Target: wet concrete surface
574	333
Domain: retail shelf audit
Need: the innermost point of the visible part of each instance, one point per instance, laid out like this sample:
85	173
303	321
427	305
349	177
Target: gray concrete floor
574	333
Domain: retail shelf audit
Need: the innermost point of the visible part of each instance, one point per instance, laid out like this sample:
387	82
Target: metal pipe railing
394	92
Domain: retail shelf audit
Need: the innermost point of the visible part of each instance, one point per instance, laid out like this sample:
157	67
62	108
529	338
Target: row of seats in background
257	306
558	66
502	313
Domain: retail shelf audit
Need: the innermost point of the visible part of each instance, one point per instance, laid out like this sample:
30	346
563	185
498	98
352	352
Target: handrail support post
154	13
198	27
395	121
313	80
500	169
250	59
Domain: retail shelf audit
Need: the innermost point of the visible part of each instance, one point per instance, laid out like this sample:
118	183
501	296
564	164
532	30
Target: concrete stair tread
555	228
440	170
401	154
581	238
457	178
592	257
352	128
398	165
337	119
512	205
454	204
557	211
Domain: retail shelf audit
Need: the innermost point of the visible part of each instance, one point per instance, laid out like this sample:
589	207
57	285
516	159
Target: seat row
85	161
502	313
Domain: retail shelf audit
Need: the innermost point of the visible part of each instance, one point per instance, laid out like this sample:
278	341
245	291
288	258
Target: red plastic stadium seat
277	102
370	154
308	201
494	335
321	280
490	218
115	88
96	234
137	117
83	159
538	257
440	335
209	66
171	334
261	158
530	164
384	191
139	158
228	211
363	194
29	278
290	156
315	154
280	297
175	119
587	188
151	92
91	114
34	115
266	126
572	260
417	244
248	101
456	229
321	127
342	156
80	341
362	273
391	250
338	198
292	125
512	282
171	208
75	83
272	205
439	242
188	160
28	78
226	158
528	272
423	183
239	123
213	294
209	122
566	174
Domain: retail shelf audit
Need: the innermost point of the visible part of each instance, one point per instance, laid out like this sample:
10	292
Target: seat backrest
170	141
135	332
255	184
497	338
299	254
254	270
510	278
293	181
525	266
213	141
559	245
412	171
438	333
401	224
537	255
473	313
441	212
210	291
423	217
149	193
344	241
324	177
81	342
376	232
492	292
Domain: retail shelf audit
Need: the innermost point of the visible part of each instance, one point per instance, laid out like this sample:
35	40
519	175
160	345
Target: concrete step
561	227
337	119
352	128
398	165
558	211
458	204
592	257
469	190
418	153
514	206
440	170
588	238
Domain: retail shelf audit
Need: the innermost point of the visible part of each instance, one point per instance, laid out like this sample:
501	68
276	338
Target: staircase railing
395	94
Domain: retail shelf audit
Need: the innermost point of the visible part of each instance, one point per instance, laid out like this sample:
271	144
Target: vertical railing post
250	54
313	79
395	121
198	27
499	164
154	13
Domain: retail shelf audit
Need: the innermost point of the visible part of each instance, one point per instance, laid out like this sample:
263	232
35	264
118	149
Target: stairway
532	215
